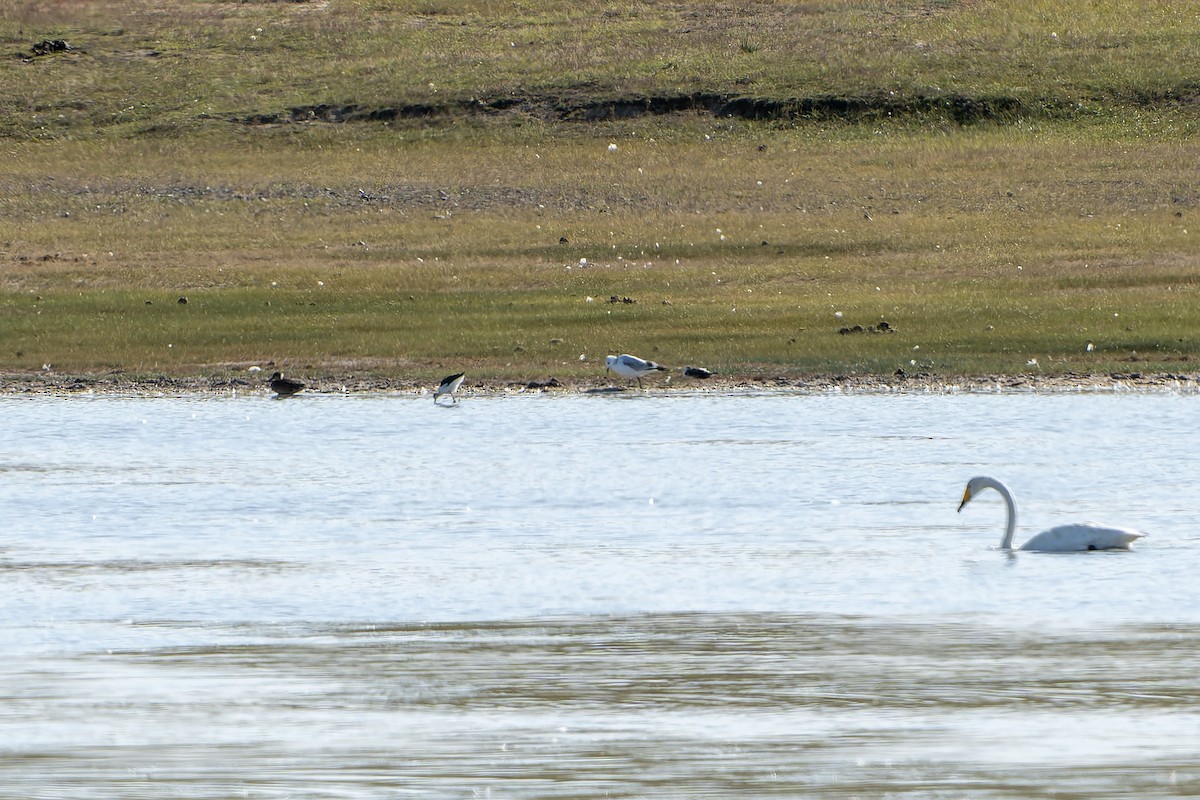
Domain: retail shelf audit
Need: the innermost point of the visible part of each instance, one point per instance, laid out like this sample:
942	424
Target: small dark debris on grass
48	46
882	327
626	300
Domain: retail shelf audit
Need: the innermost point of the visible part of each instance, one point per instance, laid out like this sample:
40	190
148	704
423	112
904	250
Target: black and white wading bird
284	387
697	372
628	366
1073	537
449	385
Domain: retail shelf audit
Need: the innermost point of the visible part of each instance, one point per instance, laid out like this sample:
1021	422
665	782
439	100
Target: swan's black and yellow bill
966	498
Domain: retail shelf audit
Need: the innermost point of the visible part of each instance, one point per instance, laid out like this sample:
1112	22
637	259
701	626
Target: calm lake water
595	596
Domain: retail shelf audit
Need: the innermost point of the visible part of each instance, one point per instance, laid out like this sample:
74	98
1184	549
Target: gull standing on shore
628	366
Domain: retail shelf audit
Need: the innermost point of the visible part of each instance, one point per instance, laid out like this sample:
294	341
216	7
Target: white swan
1060	539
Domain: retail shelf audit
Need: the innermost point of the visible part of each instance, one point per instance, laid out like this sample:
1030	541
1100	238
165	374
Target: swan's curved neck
1010	526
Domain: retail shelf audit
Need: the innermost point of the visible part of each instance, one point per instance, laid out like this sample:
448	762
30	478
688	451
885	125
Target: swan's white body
1061	539
628	366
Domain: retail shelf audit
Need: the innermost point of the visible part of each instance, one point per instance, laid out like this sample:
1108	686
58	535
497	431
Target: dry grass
173	69
414	246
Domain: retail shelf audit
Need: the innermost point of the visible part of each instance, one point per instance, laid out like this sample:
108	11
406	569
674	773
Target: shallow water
594	596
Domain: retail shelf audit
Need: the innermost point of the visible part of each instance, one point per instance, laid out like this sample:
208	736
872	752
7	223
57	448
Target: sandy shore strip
121	384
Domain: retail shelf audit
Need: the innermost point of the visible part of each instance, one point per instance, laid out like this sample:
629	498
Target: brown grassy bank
403	189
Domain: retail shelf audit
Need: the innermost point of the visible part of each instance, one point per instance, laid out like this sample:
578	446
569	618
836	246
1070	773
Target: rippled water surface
595	596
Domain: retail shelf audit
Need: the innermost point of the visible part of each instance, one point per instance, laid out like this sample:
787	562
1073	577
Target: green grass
142	66
1006	244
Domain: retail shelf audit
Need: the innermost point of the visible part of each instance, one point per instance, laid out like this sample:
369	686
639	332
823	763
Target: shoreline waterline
122	384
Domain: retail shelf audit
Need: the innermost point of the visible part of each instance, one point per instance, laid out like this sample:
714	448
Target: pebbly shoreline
120	384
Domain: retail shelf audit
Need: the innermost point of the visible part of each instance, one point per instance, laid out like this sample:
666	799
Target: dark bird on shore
449	385
284	387
696	372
